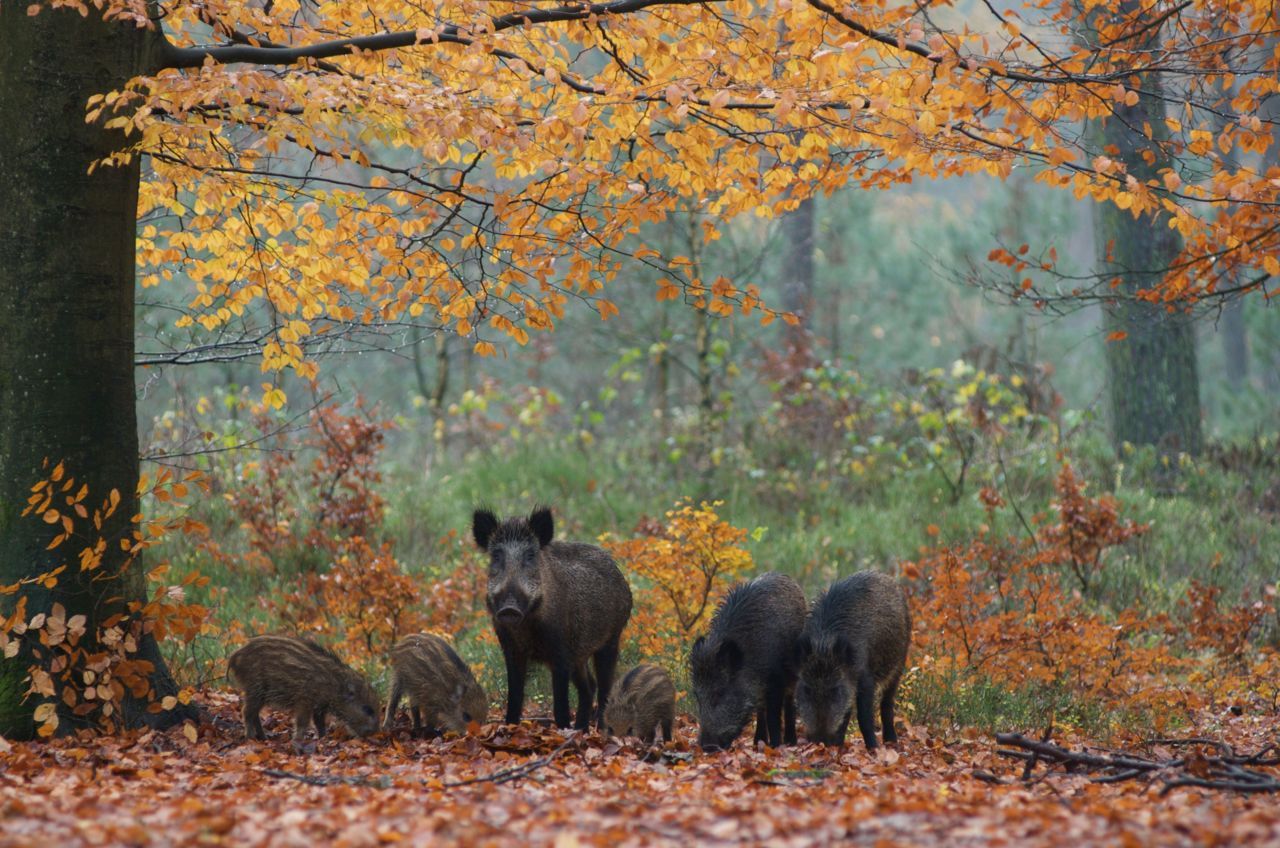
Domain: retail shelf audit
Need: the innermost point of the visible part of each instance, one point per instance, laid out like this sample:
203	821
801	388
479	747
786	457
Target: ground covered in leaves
539	785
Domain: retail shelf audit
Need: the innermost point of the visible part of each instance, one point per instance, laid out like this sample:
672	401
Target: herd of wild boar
767	654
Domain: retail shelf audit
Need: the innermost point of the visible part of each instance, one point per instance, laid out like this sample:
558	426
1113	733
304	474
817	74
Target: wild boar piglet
305	679
643	701
443	693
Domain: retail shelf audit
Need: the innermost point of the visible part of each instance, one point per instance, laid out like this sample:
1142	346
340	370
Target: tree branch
173	56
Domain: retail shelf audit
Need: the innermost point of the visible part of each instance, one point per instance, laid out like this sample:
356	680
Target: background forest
876	428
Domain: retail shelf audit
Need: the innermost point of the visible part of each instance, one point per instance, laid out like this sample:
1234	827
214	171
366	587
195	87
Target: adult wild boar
743	667
854	646
559	603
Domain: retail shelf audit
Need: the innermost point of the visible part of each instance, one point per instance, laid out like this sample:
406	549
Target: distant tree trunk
1235	342
67	269
442	374
663	376
798	273
702	353
433	391
1151	373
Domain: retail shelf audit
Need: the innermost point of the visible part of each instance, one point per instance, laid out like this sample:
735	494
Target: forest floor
540	786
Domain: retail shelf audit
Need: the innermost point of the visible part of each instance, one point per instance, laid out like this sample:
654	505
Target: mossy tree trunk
67	269
1152	376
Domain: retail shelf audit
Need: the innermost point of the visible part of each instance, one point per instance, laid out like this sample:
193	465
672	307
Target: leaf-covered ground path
164	789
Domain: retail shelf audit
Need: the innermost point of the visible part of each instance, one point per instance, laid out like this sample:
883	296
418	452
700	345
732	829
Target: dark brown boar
443	693
560	603
853	646
743	666
643	701
304	678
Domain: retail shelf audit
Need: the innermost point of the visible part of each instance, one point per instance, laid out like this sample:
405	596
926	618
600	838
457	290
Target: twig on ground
515	772
1225	771
330	779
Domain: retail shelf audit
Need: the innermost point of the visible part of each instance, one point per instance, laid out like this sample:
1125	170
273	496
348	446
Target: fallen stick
515	772
1214	772
329	779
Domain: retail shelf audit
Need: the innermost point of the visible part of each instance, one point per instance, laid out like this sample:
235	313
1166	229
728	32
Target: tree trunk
663	376
66	312
1235	342
702	354
1151	372
798	281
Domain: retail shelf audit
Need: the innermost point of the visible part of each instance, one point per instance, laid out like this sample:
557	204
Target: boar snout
714	744
510	613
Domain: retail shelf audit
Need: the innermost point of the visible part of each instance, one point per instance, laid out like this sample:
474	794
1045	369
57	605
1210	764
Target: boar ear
543	526
483	523
731	653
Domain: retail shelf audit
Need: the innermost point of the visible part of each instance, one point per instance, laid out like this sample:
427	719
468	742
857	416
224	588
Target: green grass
1206	524
962	701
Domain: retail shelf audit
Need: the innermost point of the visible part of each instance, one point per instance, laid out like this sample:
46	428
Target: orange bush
682	568
1013	611
364	600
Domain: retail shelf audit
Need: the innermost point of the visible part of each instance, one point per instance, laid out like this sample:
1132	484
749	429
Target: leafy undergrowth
538	785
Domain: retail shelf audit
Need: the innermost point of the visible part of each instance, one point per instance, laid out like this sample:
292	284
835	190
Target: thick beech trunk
66	308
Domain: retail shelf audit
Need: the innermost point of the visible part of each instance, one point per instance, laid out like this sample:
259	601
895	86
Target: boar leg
417	719
318	717
866	698
773	698
844	725
789	718
606	661
667	721
517	667
560	674
301	719
397	692
886	711
251	710
583	684
761	734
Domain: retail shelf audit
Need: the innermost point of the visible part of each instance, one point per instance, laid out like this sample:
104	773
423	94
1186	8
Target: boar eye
466	716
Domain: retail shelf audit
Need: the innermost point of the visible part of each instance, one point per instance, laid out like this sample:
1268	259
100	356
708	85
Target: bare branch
173	56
